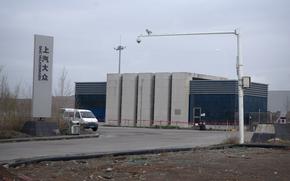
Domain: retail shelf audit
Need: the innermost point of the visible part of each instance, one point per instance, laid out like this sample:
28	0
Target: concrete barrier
265	132
265	128
282	131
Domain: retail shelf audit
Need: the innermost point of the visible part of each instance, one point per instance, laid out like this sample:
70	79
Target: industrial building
92	96
178	99
279	100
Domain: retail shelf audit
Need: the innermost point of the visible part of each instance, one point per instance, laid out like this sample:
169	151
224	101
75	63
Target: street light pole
119	48
238	67
240	88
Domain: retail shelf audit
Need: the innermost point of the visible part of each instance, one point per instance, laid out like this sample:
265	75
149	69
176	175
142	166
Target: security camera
148	32
138	40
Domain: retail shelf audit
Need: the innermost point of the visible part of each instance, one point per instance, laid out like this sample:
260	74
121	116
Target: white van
82	117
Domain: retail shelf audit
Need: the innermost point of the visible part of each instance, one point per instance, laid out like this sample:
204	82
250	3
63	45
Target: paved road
112	139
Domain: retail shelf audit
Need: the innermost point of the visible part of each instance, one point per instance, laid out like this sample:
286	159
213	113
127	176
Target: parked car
83	117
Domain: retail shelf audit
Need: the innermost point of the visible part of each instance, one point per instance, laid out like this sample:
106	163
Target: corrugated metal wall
219	99
257	89
226	87
92	96
96	88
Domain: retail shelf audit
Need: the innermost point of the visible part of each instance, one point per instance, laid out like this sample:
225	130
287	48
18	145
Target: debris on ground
204	164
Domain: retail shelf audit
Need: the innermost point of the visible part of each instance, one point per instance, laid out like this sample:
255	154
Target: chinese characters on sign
42	76
43	61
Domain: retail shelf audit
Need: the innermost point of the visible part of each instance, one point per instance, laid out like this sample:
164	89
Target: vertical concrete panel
180	98
113	99
162	99
129	99
145	99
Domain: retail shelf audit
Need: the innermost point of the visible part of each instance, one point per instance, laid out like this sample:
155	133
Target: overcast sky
86	31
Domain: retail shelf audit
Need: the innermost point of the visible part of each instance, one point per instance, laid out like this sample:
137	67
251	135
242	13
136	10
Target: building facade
162	99
218	101
91	96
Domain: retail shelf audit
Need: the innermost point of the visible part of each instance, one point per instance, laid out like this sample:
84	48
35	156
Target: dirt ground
219	164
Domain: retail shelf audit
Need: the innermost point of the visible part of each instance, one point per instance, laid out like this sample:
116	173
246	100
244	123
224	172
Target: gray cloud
85	33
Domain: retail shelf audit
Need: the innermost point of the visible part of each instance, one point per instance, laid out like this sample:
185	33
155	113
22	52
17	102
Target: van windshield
87	115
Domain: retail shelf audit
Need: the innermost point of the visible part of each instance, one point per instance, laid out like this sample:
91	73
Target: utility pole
120	48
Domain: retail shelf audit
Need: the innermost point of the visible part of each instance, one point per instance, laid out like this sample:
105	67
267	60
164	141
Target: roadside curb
169	128
48	138
17	162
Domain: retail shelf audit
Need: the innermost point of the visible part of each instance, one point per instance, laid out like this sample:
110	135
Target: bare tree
4	88
26	92
62	94
64	84
12	115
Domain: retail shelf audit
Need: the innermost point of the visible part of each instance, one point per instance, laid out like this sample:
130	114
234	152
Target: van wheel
94	129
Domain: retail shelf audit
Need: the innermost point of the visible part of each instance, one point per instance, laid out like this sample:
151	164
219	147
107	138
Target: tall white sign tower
42	76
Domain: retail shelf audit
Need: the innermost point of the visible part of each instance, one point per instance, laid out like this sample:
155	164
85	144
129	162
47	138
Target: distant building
179	99
279	101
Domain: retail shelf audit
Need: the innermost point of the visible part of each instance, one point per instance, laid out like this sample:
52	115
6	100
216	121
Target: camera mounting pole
238	66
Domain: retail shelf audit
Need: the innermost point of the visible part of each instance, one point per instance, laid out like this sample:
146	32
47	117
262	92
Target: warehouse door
196	114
